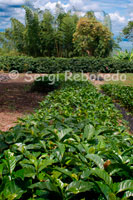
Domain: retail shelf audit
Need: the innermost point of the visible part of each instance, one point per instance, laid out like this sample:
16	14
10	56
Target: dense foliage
128	31
92	37
45	34
54	65
122	93
121	55
73	147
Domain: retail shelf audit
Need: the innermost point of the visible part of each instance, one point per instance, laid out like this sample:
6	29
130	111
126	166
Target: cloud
99	16
12	2
115	17
120	11
130	17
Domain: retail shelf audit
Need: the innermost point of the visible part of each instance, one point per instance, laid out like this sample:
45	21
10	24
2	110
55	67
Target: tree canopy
93	37
60	35
128	31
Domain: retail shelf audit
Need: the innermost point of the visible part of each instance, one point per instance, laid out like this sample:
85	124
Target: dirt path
16	101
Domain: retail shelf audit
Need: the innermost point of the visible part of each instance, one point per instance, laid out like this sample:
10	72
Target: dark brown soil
16	100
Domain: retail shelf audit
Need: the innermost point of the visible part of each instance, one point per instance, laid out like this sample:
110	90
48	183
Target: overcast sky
120	11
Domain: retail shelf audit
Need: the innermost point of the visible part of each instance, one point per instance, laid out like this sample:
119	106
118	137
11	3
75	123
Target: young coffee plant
72	148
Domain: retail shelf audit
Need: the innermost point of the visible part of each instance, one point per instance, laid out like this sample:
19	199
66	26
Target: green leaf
11	160
96	159
105	189
128	194
19	174
63	133
79	186
103	175
61	150
89	132
44	163
49	186
1	169
124	185
12	191
29	171
64	171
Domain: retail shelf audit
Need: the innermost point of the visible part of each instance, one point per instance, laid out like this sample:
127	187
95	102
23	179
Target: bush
124	55
72	148
54	65
43	84
122	93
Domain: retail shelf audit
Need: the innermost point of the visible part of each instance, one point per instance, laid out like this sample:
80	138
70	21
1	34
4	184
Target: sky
120	11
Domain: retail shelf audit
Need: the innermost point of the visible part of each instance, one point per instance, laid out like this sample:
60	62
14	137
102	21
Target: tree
47	34
90	14
68	27
32	32
92	37
16	34
107	21
128	31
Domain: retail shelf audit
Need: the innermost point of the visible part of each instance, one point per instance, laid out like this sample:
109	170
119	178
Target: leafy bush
124	55
73	147
54	65
44	84
122	93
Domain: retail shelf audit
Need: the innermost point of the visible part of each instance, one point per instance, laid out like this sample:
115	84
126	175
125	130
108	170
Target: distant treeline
44	34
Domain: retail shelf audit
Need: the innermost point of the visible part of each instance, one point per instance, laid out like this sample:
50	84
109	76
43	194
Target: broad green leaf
42	164
12	191
89	132
64	171
49	186
1	169
11	160
61	150
127	151
103	175
96	159
29	171
128	194
86	173
124	185
63	133
105	189
79	186
101	142
19	174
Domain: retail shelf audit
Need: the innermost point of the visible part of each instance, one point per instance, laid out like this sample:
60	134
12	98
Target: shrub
44	84
122	93
54	65
124	55
73	147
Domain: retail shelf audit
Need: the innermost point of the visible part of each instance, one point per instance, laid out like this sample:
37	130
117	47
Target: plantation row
122	93
54	65
73	147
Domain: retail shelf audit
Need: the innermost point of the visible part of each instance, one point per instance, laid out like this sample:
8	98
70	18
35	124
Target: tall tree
107	21
92	37
32	32
68	27
47	34
128	31
16	34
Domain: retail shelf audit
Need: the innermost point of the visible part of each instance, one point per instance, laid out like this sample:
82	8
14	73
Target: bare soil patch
16	101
